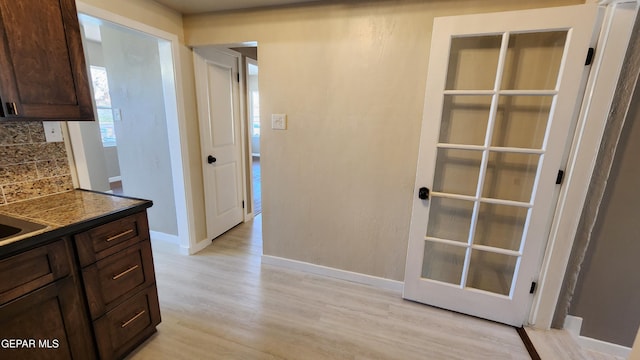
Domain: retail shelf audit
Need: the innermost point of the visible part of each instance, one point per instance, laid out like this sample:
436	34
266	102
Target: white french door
501	94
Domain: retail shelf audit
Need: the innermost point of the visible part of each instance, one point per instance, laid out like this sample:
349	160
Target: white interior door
217	90
501	94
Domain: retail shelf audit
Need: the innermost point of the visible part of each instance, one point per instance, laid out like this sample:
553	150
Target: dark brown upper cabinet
43	75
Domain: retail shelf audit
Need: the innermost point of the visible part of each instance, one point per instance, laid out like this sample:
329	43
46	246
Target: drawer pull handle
116	277
114	237
126	323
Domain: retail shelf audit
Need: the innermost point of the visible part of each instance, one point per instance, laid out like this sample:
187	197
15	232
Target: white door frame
603	78
176	126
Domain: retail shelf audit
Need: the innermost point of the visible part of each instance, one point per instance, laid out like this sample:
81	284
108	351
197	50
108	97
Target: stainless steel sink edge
27	228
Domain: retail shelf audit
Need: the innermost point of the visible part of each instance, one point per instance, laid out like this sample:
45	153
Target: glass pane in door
500	226
521	121
491	272
443	262
510	176
450	219
457	171
533	60
466	56
464	119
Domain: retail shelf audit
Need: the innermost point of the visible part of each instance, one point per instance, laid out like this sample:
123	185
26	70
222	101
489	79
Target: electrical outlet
279	121
52	131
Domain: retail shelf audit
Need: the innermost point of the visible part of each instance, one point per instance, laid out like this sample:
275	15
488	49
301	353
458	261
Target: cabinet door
49	323
32	269
44	75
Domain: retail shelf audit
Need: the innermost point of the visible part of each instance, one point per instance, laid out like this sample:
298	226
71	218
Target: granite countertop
65	211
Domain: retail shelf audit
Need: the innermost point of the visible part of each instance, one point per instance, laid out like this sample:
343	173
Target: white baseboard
573	325
199	246
374	281
156	235
175	240
115	178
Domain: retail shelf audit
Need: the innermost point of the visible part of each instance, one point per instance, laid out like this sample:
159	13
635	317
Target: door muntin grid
485	183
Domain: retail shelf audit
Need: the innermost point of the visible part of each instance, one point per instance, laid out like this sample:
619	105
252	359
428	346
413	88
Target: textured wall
350	75
29	166
136	86
587	290
611	263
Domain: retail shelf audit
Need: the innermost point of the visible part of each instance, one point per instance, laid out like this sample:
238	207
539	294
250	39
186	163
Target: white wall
135	83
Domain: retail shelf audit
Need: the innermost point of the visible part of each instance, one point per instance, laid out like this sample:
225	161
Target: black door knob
423	193
211	159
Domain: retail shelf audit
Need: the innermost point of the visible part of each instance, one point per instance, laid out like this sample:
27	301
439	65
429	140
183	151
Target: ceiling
202	6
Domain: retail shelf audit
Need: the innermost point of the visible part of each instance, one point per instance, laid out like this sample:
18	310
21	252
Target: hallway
257	185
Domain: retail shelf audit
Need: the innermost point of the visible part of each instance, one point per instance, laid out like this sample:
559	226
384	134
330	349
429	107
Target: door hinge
243	204
532	289
589	59
560	177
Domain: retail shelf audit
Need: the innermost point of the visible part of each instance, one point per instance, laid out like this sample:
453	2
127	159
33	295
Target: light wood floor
224	304
559	344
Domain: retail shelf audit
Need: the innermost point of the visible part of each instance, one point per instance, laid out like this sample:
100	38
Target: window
103	105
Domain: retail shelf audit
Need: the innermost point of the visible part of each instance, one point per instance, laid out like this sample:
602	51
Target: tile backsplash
30	167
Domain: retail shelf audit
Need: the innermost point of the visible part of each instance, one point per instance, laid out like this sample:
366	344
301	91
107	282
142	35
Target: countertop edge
74	228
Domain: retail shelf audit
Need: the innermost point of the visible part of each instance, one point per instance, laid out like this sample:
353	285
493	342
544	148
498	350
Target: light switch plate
52	131
117	114
279	121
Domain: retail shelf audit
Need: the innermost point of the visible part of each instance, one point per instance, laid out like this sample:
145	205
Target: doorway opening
249	62
253	99
128	150
246	55
228	75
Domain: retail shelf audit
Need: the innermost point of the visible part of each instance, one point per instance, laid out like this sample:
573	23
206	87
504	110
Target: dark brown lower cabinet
90	294
120	284
48	323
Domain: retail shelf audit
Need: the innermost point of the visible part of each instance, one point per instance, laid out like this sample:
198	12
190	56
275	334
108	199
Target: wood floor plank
222	303
559	344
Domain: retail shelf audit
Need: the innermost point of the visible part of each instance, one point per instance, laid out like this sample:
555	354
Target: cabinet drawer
128	324
118	276
33	269
107	239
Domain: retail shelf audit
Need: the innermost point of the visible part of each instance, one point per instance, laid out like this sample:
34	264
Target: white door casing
217	90
574	26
